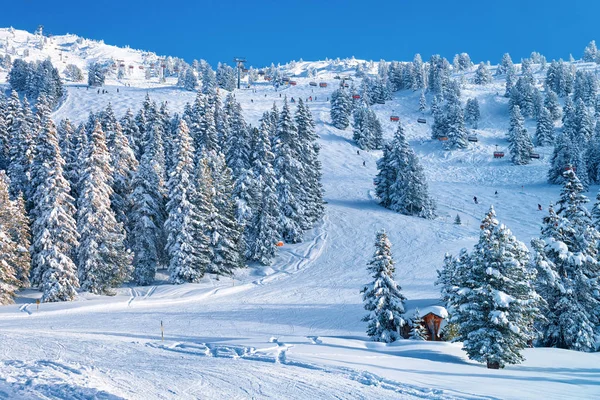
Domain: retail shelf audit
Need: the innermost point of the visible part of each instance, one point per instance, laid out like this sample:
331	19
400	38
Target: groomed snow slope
293	330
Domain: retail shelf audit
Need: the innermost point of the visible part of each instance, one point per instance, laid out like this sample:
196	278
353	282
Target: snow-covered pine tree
15	224
132	133
21	146
341	107
15	238
360	126
422	102
289	173
566	259
54	232
400	182
417	330
544	132
454	125
264	229
562	157
551	103
382	297
519	141
482	75
224	233
592	157
124	165
102	259
188	259
457	220
472	114
147	216
495	303
590	52
308	157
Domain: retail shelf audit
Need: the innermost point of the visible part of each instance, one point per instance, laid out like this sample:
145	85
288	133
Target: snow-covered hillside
294	330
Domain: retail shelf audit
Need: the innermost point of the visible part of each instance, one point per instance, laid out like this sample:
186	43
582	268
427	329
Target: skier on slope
475	199
539	207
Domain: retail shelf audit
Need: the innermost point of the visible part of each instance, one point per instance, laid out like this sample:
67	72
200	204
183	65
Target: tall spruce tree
288	170
494	303
566	259
544	132
186	243
264	229
382	297
520	144
102	259
400	182
54	231
224	233
341	107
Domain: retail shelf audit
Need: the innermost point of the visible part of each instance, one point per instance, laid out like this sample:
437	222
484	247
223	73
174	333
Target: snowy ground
294	330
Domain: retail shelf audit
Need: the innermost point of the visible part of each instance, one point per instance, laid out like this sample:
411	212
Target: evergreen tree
186	242
566	259
544	132
519	141
590	53
96	75
102	259
382	297
124	165
308	157
457	220
454	125
417	330
472	112
54	232
494	304
263	231
400	182
551	103
288	170
15	239
341	107
224	232
422	102
593	156
132	133
147	216
482	75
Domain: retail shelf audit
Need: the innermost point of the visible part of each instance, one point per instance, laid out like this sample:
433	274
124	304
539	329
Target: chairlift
443	138
498	154
534	155
322	84
313	83
472	138
293	83
356	96
394	118
422	120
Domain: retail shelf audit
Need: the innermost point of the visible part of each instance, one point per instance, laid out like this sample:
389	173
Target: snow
294	329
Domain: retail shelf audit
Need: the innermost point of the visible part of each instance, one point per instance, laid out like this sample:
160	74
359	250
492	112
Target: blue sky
279	31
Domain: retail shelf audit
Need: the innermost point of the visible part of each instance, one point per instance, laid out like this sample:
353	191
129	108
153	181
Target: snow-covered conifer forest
344	228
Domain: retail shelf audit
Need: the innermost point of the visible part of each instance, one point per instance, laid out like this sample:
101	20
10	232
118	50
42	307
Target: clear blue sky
279	31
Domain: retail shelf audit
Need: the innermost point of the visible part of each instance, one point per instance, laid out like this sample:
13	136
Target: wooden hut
434	319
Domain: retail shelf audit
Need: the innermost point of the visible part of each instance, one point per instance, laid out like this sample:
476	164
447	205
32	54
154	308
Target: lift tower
240	66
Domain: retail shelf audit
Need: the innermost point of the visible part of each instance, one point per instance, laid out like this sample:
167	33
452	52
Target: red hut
322	84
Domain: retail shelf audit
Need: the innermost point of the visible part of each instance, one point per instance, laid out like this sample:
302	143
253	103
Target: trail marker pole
162	331
37	304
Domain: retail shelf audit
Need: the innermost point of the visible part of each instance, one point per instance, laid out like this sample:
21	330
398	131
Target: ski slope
294	330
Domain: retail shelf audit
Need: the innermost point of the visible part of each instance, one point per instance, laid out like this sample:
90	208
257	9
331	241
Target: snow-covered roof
436	310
